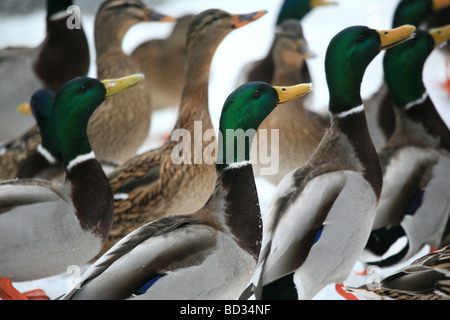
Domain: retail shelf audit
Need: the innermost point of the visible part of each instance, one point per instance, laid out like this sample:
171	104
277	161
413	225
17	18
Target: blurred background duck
379	108
299	130
25	70
438	19
152	185
121	125
414	206
263	70
165	60
426	278
46	227
208	254
321	214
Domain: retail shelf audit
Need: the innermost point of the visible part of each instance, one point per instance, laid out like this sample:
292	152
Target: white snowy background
26	27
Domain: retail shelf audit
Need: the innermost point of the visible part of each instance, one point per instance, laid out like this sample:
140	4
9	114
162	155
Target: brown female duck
165	60
299	130
262	70
116	134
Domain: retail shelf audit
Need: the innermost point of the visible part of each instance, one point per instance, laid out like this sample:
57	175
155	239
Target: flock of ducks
76	192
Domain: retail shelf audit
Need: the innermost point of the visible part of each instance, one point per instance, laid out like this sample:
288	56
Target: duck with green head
378	107
152	185
46	227
320	215
44	162
434	20
414	205
207	254
30	69
263	70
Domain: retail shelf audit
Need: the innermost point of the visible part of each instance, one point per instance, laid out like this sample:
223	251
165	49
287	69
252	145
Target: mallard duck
208	254
47	226
116	133
414	205
263	70
438	19
152	185
165	60
299	130
26	70
426	278
45	161
321	214
378	107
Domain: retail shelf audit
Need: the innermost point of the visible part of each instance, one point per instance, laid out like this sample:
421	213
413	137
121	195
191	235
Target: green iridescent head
244	110
74	103
347	57
40	105
403	65
415	11
297	9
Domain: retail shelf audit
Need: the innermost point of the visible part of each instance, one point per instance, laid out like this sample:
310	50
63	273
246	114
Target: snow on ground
241	46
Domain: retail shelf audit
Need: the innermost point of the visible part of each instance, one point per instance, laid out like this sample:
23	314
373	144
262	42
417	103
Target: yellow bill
318	3
393	37
440	35
114	86
291	92
24	108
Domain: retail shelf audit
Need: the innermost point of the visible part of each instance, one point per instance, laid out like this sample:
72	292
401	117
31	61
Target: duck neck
71	134
236	186
194	99
406	86
234	147
344	86
75	148
425	113
356	150
92	197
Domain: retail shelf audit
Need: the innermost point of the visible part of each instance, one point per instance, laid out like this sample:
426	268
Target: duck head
403	65
40	106
245	109
215	24
74	103
297	9
115	17
348	55
414	11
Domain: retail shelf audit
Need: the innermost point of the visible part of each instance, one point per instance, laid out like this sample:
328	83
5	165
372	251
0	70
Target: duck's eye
83	88
361	38
257	94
